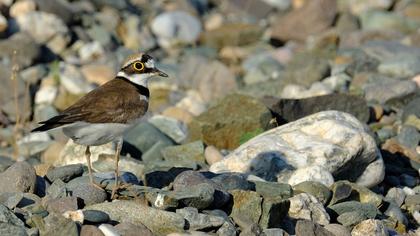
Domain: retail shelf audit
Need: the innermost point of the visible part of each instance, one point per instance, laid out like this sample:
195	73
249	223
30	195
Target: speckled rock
20	177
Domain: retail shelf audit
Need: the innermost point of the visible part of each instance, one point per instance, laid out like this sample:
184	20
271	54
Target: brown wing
117	101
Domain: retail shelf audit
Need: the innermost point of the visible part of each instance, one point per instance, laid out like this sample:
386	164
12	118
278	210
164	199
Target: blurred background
53	52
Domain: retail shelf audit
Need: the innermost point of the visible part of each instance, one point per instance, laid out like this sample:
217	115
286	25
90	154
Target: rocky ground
280	117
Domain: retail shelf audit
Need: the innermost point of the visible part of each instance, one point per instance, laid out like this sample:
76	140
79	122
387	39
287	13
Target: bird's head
139	68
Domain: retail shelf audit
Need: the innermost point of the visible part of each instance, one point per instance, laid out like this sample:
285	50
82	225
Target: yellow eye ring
138	66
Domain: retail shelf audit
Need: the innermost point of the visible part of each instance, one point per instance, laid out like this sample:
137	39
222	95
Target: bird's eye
138	66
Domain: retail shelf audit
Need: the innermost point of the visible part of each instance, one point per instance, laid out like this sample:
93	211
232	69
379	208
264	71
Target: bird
104	114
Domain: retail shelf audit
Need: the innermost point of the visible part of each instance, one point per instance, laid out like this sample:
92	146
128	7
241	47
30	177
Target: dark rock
311	19
65	173
316	189
229	122
187	179
160	179
158	221
12	230
273	189
232	181
246	204
199	221
20	177
308	228
274	210
61	205
288	110
57	189
129	229
90	230
344	191
94	217
29	199
199	196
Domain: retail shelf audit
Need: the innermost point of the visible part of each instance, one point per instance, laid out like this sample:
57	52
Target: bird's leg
87	154
117	160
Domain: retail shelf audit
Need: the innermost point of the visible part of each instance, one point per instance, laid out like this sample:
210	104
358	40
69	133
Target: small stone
72	79
199	221
59	225
22	8
10	200
369	227
185	154
20	47
232	181
95	217
350	219
274	210
3	23
91	51
369	210
129	229
176	27
337	230
397	195
345	191
87	192
273	189
308	228
198	196
306	206
274	232
90	230
171	127
212	155
20	177
61	205
246	204
188	178
97	73
10	229
384	91
65	173
179	114
7	216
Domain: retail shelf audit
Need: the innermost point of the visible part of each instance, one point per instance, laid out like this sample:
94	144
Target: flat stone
173	128
273	189
185	154
58	225
20	177
199	221
351	218
10	229
95	217
274	154
199	196
345	191
369	210
274	210
158	221
11	200
7	216
231	181
27	50
61	205
288	110
90	230
65	173
316	189
397	195
337	230
87	192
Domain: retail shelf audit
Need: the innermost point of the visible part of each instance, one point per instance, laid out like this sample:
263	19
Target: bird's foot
116	188
96	185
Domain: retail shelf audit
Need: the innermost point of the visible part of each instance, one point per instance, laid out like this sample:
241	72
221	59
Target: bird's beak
160	73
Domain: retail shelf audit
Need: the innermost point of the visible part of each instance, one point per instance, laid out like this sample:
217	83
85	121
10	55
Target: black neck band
140	88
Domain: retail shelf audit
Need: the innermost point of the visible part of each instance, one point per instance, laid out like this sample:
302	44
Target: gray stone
274	210
345	191
11	200
184	155
384	20
288	110
65	173
397	195
342	144
7	216
273	189
351	218
199	196
26	49
58	225
308	228
95	217
274	232
369	210
175	27
231	181
20	177
199	221
385	91
173	128
316	189
90	230
189	178
337	230
5	163
395	212
402	68
158	221
144	136
227	229
267	69
409	136
411	109
7	229
61	205
60	8
129	229
87	192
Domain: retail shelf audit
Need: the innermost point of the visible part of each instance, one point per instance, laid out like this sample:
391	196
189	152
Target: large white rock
319	147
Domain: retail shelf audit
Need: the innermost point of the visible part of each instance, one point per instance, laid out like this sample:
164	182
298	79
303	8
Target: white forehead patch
150	63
